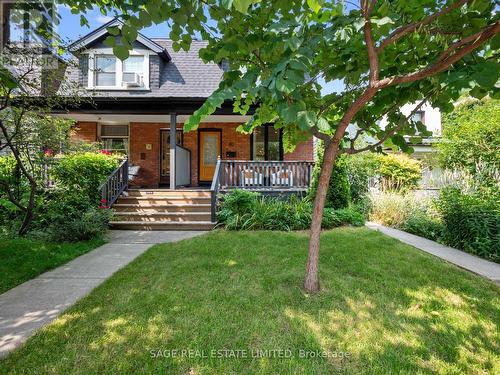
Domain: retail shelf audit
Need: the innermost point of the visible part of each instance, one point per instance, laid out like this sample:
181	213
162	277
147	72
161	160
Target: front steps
162	209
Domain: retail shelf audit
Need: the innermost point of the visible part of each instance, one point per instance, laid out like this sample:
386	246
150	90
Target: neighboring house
425	151
138	102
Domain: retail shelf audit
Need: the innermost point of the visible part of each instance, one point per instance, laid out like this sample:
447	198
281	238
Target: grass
23	259
385	308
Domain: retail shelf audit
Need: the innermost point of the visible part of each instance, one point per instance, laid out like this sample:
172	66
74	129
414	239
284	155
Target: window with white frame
105	71
115	138
108	72
133	71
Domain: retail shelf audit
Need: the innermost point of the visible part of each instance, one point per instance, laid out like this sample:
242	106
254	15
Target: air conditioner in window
132	79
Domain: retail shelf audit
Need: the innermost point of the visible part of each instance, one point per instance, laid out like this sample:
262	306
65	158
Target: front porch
191	161
166	181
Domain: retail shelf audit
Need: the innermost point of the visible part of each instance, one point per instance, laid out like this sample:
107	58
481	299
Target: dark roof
185	75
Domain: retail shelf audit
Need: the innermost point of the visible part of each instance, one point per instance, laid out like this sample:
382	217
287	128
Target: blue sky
70	30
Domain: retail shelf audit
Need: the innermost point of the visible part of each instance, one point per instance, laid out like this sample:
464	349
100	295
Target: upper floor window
133	71
105	70
110	73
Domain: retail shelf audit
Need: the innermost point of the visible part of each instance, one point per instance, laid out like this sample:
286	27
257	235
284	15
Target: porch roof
120	118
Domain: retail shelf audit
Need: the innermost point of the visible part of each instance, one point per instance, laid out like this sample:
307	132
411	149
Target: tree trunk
311	282
28	215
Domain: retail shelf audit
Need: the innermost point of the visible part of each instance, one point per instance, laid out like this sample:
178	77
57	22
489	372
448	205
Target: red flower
106	152
49	152
103	200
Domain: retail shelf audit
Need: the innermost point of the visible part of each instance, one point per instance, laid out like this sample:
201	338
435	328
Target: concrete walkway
39	301
462	259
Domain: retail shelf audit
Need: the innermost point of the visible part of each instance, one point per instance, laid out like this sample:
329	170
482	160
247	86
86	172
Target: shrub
471	135
421	223
251	211
84	171
359	169
71	216
471	222
338	195
399	172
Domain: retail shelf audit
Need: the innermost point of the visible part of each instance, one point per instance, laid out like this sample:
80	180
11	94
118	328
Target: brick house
140	104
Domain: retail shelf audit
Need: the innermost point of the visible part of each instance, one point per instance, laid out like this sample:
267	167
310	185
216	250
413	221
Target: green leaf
114	30
110	41
227	4
315	5
382	21
129	33
323	124
121	52
284	85
486	74
306	120
383	10
243	5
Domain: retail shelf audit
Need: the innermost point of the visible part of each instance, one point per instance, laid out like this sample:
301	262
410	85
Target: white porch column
173	138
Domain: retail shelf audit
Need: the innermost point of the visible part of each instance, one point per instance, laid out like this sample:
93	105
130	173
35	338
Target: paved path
462	259
37	302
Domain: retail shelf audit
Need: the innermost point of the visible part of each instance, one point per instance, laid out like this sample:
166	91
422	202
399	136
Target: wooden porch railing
116	183
260	175
263	175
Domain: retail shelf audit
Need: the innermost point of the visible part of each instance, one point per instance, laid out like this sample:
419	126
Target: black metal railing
116	184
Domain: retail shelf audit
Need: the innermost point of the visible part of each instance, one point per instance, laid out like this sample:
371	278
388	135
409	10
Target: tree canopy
386	54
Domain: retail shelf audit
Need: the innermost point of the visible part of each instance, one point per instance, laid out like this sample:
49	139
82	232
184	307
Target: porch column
173	138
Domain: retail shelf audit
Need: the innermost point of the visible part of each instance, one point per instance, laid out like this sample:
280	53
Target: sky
70	30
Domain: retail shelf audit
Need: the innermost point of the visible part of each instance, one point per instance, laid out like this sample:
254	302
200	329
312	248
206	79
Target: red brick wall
85	131
142	134
303	151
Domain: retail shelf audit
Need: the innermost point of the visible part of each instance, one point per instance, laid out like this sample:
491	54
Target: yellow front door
210	142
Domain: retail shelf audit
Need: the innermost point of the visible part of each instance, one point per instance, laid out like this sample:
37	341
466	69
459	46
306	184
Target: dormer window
106	72
133	71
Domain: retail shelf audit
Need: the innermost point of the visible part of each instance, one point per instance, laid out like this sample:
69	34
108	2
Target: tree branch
454	53
370	45
404	30
381	141
320	135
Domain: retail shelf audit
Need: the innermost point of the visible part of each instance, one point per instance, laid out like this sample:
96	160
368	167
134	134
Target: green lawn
385	308
22	259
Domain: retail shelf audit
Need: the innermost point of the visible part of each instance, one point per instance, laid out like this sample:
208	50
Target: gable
96	38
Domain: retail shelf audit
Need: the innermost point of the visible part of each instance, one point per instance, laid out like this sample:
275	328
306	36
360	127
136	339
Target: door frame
219	130
161	150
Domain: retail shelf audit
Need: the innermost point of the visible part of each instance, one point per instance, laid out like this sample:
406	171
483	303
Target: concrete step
169	193
162	217
174	225
162	208
163	200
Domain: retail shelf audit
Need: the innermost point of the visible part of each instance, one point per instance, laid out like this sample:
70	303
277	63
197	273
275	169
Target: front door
165	154
210	150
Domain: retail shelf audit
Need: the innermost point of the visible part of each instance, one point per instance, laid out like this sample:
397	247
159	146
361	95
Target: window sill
113	88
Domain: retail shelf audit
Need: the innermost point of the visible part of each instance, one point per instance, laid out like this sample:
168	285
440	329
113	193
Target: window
114	138
105	70
419	116
133	70
266	143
